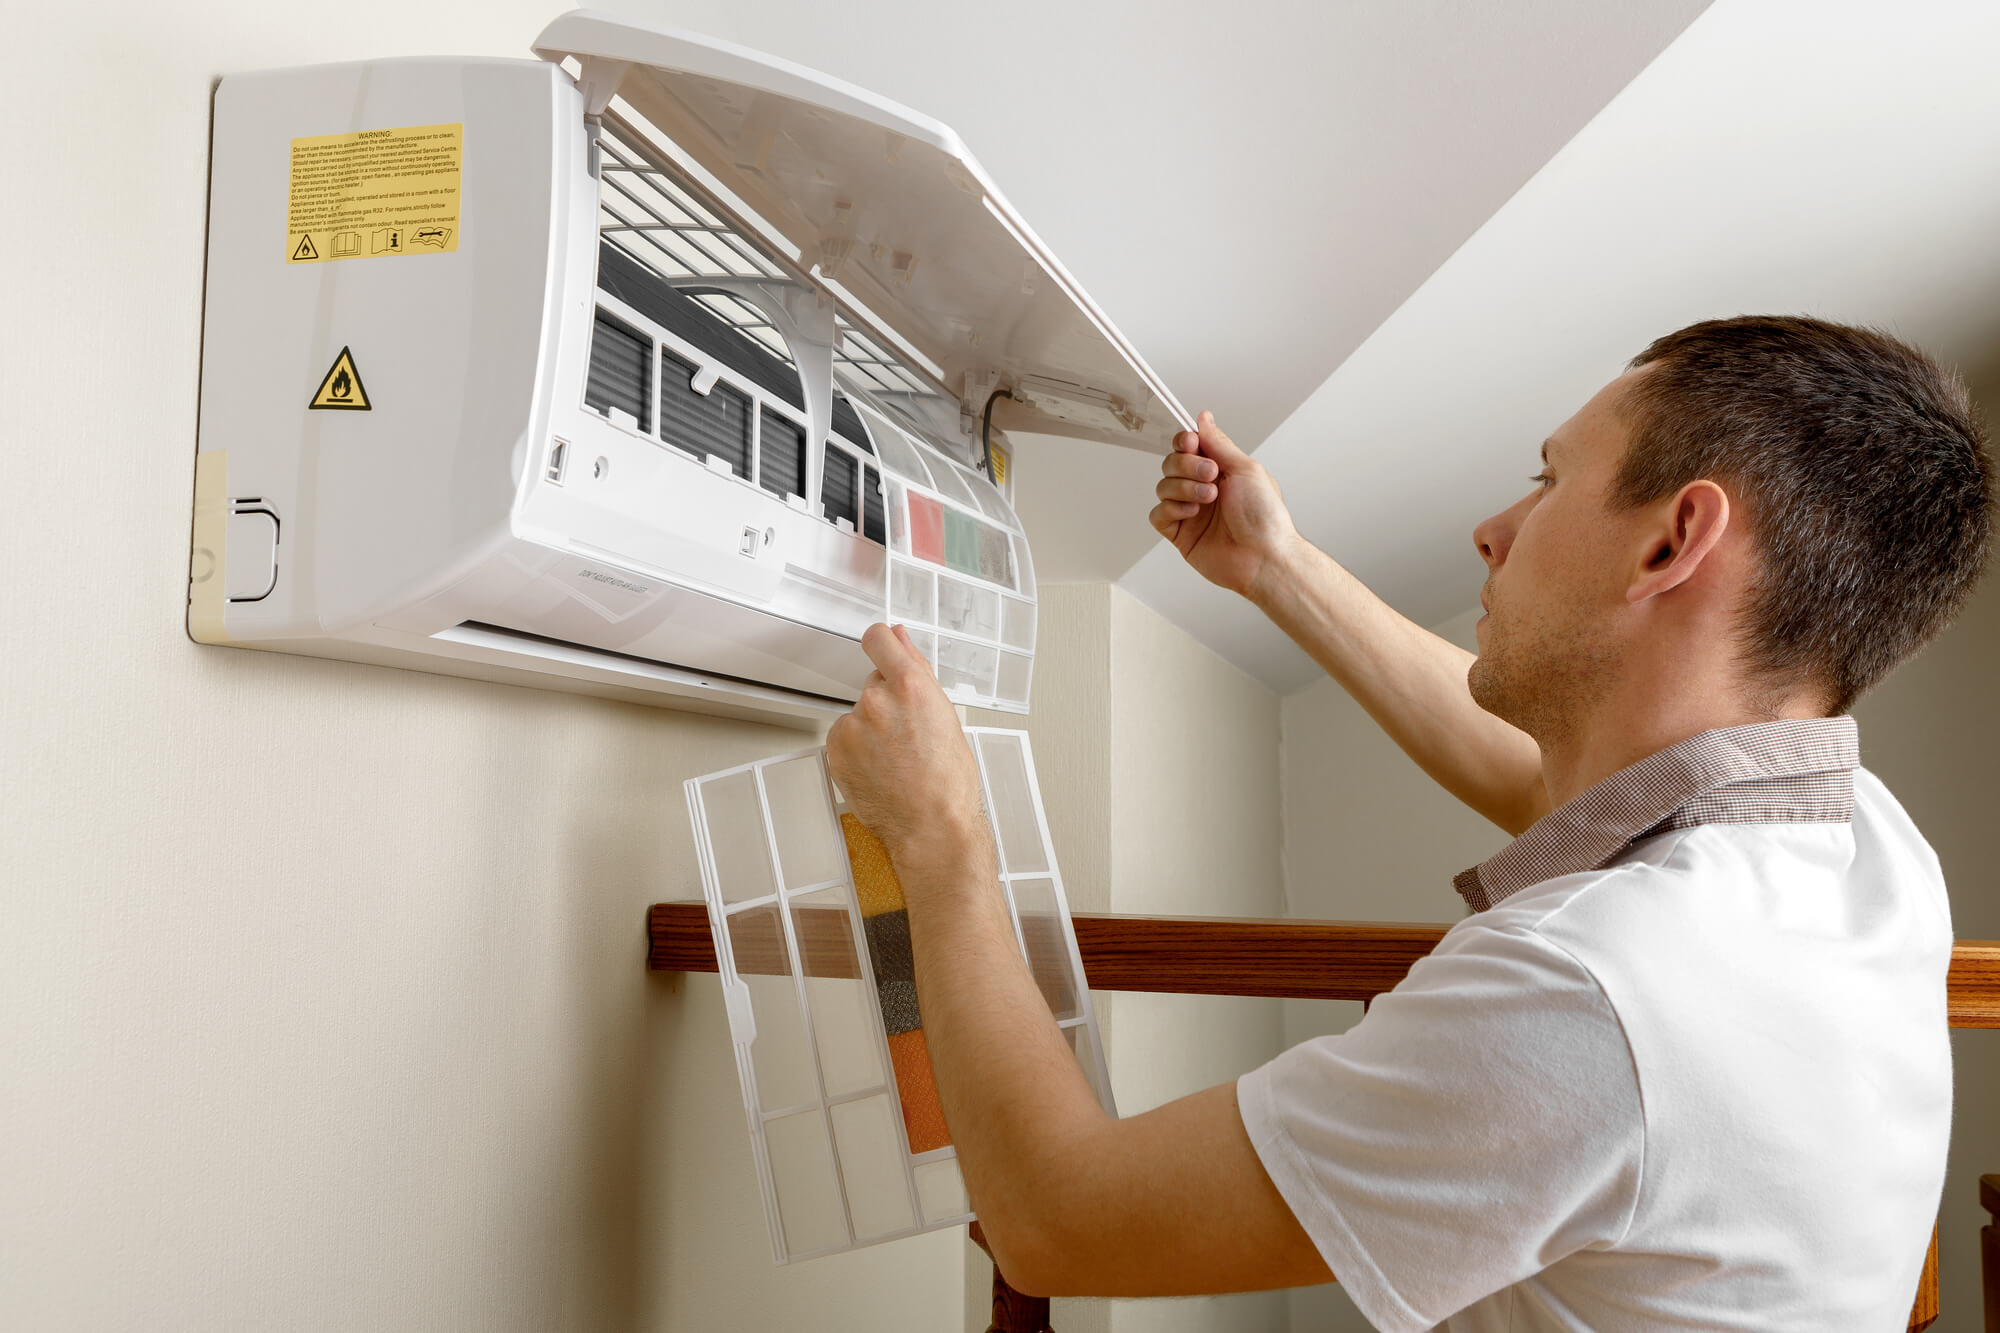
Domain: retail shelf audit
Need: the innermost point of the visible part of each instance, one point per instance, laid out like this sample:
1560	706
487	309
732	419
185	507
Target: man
1686	1063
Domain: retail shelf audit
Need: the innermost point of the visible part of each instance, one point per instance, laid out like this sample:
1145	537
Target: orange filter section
875	882
923	1114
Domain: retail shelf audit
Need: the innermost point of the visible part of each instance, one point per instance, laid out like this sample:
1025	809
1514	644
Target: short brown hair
1864	471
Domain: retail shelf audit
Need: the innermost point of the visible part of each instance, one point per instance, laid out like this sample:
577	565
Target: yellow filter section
875	882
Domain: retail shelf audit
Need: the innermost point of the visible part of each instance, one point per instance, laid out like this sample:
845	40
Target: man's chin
1483	680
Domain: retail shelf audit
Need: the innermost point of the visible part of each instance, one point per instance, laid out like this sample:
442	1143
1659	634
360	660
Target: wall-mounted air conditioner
654	368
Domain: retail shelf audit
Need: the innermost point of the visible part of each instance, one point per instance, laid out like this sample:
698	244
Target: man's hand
1222	510
900	756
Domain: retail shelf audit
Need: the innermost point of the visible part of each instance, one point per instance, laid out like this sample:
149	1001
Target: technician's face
1554	586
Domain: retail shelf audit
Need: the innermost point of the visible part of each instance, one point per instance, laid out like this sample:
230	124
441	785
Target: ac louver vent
781	455
717	422
837	488
875	525
620	370
847	424
683	316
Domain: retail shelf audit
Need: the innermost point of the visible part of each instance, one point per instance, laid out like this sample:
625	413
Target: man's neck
1619	734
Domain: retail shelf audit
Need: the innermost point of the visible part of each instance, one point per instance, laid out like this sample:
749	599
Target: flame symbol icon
342	386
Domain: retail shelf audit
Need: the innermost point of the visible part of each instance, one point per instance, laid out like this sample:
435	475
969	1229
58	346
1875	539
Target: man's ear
1686	529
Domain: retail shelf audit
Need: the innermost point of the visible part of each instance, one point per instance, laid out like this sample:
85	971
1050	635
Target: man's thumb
1216	445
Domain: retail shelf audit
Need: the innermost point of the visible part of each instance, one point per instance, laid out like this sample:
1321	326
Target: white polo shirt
1688	1067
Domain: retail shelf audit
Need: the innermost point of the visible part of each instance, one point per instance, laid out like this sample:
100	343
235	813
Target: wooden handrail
1199	955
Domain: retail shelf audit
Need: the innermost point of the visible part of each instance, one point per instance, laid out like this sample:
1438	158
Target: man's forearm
1411	681
1014	1096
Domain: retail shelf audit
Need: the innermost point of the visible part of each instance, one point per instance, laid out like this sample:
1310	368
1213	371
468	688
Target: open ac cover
667	366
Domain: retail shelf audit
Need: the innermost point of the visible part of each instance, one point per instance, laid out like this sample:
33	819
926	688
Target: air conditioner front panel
378	507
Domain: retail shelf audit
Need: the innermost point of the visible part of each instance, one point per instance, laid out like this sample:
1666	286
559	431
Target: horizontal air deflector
523	641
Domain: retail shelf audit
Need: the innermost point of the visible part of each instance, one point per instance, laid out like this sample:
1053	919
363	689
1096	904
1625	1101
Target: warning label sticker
374	193
341	389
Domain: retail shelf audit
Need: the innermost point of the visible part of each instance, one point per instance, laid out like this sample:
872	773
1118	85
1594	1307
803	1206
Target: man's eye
1542	479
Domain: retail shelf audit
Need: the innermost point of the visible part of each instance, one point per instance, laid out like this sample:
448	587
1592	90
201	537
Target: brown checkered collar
1765	773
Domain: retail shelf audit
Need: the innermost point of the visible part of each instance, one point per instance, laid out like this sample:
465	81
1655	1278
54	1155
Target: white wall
1780	155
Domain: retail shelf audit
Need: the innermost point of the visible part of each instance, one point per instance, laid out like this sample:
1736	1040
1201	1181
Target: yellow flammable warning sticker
374	193
341	389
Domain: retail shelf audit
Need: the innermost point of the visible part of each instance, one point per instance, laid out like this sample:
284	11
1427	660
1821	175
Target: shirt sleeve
1481	1122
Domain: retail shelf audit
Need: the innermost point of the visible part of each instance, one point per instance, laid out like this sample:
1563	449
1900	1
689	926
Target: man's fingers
1168	515
1180	488
890	651
923	663
1219	446
1192	466
1187	442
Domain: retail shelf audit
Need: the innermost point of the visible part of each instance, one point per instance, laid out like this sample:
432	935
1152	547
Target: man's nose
1493	538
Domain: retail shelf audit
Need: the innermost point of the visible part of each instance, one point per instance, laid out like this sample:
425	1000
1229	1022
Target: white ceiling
1248	189
1833	157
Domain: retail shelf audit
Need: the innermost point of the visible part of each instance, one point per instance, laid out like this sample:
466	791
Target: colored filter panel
926	528
916	1088
895	971
961	542
875	884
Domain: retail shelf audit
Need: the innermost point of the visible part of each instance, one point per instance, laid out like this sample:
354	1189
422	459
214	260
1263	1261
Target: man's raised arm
1222	511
